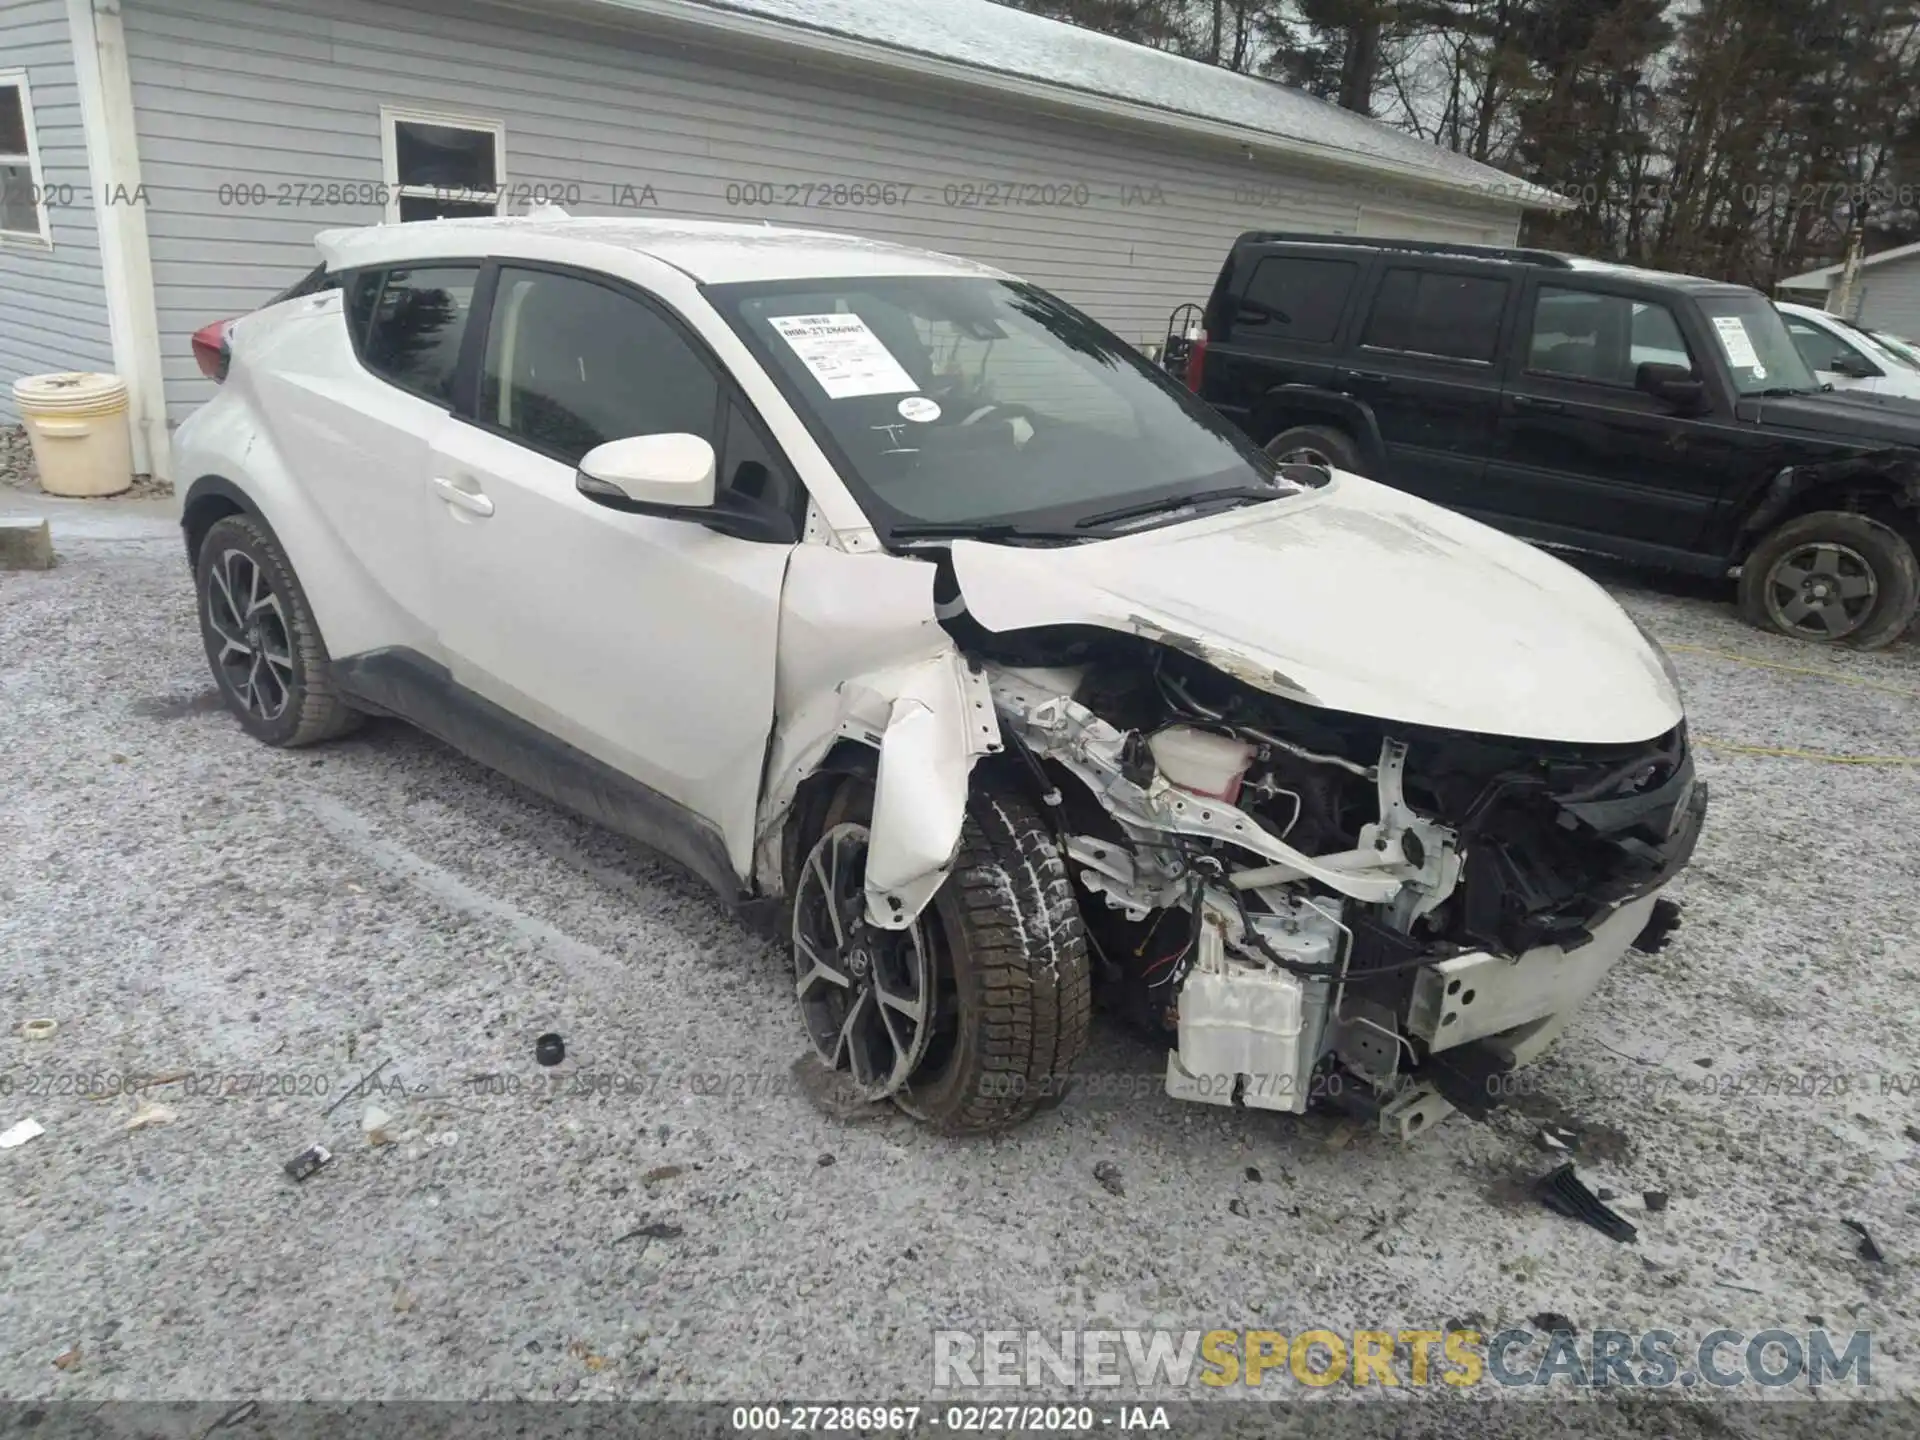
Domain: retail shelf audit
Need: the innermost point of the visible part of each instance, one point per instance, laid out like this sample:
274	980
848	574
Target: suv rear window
1297	297
1428	312
407	324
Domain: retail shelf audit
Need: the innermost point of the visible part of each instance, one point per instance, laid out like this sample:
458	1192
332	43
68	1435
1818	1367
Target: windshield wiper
1777	392
976	530
1251	493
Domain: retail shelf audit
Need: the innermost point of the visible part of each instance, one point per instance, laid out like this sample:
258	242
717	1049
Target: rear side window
408	325
1426	312
571	364
1294	297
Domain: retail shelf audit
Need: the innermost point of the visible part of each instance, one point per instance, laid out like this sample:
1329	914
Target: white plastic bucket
78	425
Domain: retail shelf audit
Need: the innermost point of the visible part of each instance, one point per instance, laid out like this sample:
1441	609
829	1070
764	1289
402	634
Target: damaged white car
927	620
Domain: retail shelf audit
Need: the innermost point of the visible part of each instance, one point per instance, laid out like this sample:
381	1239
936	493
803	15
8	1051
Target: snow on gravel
659	1216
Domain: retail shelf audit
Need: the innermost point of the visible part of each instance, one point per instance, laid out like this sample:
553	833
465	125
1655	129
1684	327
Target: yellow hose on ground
1782	752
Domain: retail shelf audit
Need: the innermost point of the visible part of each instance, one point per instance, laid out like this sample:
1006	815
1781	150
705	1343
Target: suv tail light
1196	361
211	351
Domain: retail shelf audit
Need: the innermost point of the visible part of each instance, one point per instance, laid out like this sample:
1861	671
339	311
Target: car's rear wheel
1319	445
1832	576
262	642
971	1019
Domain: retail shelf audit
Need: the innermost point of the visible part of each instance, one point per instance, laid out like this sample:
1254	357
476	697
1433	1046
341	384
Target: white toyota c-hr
905	604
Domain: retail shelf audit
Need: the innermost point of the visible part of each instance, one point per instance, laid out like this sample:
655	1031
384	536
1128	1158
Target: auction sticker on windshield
1738	344
843	355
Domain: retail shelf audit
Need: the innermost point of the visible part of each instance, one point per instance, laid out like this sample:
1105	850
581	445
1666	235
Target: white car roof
708	250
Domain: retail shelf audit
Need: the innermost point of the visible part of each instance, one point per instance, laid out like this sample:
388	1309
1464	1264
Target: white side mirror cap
674	470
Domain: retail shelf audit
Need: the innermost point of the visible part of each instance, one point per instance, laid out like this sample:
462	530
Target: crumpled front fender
941	721
863	659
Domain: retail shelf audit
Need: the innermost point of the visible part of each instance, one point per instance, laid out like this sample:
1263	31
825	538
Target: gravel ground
686	1215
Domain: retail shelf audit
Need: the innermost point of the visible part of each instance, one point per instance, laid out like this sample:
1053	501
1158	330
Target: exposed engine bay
1316	906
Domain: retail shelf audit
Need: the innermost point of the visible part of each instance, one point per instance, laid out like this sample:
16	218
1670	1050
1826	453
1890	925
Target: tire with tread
1892	559
1334	444
314	711
1014	967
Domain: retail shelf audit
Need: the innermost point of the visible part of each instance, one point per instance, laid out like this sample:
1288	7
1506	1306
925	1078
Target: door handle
1365	377
1529	402
468	500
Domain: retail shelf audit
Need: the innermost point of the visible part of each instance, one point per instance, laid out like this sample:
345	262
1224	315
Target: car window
1585	335
1759	352
970	401
408	324
571	364
1295	297
1818	347
1428	312
751	466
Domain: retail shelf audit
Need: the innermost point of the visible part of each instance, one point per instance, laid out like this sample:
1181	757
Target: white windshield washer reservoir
1200	761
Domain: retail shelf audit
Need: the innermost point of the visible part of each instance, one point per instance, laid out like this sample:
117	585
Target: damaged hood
1359	598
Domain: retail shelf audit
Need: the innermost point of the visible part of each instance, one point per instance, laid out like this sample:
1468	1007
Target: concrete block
25	543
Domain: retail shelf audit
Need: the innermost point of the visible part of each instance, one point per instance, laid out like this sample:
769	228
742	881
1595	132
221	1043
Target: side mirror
1674	384
1854	367
671	477
673	472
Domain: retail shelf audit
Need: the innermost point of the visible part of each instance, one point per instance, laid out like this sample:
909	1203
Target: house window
441	166
23	210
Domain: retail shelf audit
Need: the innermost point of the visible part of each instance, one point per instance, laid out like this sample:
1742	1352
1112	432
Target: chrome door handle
465	499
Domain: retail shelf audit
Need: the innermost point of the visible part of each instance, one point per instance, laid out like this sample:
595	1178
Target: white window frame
43	238
390	115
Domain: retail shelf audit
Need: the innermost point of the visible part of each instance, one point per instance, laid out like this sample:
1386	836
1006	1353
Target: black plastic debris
1552	1322
656	1230
1237	1206
549	1049
1108	1174
1866	1249
1253	1173
1662	921
1656	1199
308	1161
1564	1193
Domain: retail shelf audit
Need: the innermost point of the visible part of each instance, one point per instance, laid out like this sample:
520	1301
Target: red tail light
211	351
1196	361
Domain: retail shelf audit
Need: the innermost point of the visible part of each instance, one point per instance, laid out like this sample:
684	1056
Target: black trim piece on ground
407	685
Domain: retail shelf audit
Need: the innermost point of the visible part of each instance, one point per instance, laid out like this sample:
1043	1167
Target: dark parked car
1658	418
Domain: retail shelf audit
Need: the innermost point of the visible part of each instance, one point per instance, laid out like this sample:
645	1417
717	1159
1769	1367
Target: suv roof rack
1514	253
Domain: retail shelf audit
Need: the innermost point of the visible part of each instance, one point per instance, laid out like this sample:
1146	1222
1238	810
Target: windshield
1900	352
1754	340
955	402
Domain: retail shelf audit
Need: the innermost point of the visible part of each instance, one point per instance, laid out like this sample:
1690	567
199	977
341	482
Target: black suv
1657	418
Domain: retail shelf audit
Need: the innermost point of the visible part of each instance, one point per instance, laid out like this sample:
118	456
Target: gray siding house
177	157
1886	292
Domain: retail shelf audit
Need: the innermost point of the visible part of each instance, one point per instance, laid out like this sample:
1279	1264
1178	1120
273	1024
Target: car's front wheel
971	1018
1832	576
261	638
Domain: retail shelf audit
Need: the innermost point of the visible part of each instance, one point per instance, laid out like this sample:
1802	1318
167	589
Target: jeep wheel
1832	576
1315	445
970	1019
261	639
